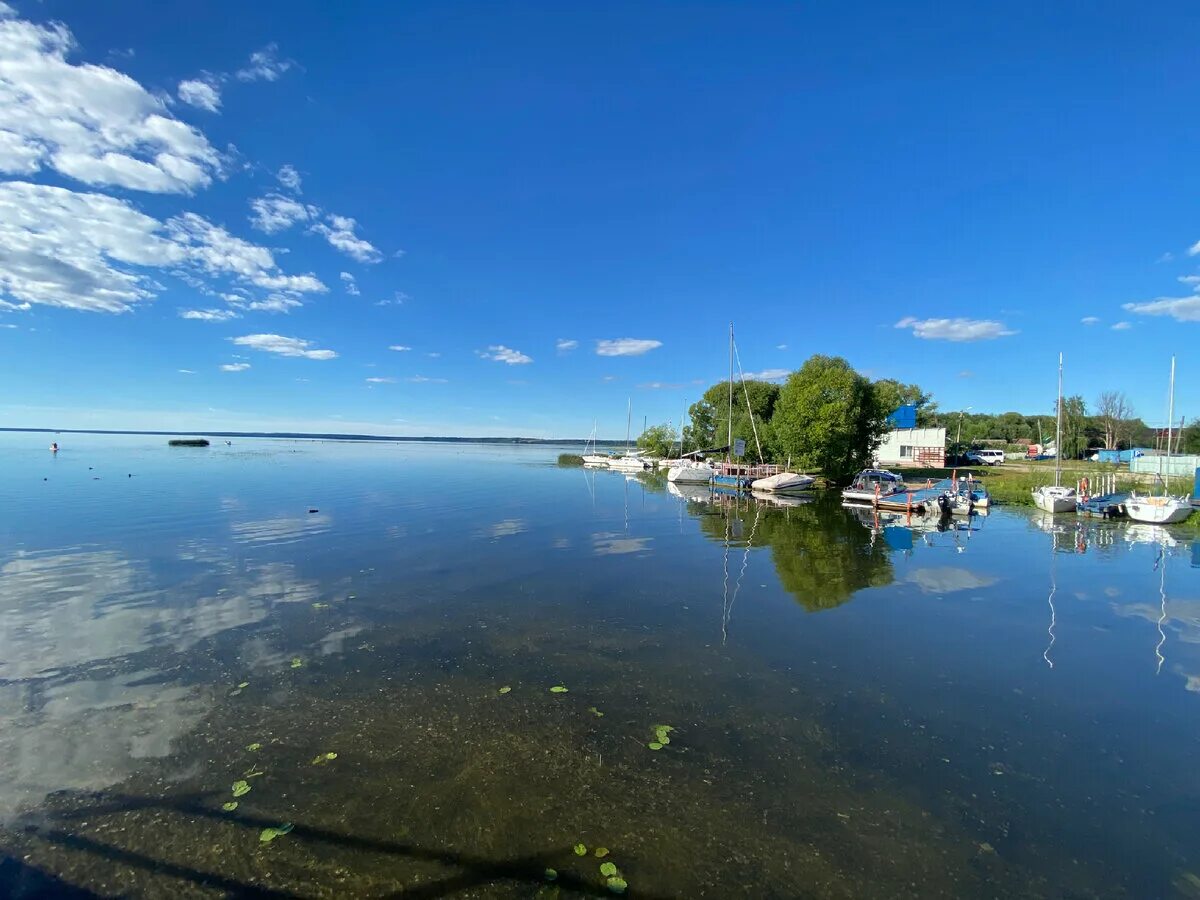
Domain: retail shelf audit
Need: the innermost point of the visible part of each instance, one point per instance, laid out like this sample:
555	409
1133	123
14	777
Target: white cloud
660	386
500	353
379	380
768	375
563	345
399	348
1181	309
350	283
966	373
1122	326
235	367
421	379
781	346
200	92
284	346
275	212
626	347
955	329
265	65
209	315
186	372
433	354
609	378
340	234
1090	320
89	122
275	303
289	177
397	300
7	325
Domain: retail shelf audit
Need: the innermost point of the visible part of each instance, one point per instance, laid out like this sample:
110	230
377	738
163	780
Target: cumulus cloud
289	177
955	329
1090	320
500	353
1181	309
209	315
350	283
284	346
275	303
265	65
275	212
397	300
201	92
235	367
89	122
563	345
768	375
1122	326
626	346
381	380
399	348
339	231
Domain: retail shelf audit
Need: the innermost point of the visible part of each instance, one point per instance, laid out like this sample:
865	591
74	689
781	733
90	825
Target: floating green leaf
558	689
506	689
269	834
297	662
595	712
241	788
255	747
654	745
608	869
243	685
230	806
321	758
581	849
601	852
551	874
331	756
320	606
617	884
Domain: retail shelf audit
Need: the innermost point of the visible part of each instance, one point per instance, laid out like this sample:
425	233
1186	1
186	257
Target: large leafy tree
658	440
710	416
830	417
894	394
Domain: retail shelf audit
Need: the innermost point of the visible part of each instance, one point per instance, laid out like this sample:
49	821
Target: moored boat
783	483
1056	498
870	485
1162	509
690	472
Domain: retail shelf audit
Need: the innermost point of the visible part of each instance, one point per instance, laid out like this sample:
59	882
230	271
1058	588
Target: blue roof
904	417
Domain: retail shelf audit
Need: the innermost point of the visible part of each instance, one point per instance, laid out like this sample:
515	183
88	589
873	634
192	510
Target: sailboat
594	458
1056	498
1163	509
631	461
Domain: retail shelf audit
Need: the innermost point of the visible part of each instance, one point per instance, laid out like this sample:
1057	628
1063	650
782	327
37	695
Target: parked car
986	457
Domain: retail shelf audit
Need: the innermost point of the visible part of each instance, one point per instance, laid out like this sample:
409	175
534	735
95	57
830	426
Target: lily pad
230	806
241	788
654	745
581	849
297	662
595	712
255	747
331	756
608	869
617	884
243	685
551	874
269	834
601	852
505	690
558	689
321	758
320	606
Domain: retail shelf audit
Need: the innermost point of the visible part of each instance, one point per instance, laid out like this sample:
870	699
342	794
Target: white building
912	447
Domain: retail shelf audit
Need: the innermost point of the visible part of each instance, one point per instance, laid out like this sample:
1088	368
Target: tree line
828	417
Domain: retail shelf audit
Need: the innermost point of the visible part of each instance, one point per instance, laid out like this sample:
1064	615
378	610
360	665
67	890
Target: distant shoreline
300	435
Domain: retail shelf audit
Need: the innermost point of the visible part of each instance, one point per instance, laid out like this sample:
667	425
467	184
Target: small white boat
628	463
1056	498
690	472
594	458
783	483
1164	509
871	484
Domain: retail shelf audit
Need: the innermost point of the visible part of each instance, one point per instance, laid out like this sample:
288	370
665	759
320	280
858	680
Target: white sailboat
1163	509
631	461
1056	498
594	458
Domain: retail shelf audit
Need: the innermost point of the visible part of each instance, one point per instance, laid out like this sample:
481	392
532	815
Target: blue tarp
904	417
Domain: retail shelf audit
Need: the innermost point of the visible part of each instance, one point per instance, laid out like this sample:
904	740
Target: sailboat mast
1058	430
729	434
628	419
1170	423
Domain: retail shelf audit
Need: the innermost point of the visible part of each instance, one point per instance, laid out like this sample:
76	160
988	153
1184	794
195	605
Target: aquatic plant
570	459
617	884
241	788
551	874
558	689
595	712
601	852
506	689
580	849
187	442
229	806
254	748
269	834
608	869
321	758
297	662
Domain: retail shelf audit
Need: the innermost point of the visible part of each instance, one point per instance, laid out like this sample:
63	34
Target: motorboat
1056	498
690	472
630	462
871	484
783	483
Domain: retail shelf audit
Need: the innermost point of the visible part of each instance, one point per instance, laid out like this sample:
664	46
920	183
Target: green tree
1189	441
714	408
657	440
701	431
829	417
894	394
1074	427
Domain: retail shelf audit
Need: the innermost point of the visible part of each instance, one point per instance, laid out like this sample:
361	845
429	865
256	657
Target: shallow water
1008	707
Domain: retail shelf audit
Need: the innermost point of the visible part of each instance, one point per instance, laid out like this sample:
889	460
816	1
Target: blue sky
224	216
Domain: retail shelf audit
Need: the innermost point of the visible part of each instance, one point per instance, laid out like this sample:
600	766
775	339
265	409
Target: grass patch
570	459
187	442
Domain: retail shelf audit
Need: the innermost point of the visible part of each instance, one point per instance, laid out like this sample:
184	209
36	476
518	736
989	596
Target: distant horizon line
307	435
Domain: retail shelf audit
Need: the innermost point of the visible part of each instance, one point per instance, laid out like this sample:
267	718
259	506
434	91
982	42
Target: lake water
858	709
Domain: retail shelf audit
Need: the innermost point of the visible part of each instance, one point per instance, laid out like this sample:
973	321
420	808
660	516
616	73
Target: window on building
905	451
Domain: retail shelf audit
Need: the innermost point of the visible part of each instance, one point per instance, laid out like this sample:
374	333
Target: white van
986	457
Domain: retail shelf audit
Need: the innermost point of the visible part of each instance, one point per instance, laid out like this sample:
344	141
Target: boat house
908	445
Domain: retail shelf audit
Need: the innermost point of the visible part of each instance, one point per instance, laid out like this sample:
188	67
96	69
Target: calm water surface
859	709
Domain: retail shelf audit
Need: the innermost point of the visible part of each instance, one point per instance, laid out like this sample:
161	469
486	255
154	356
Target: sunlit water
859	709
